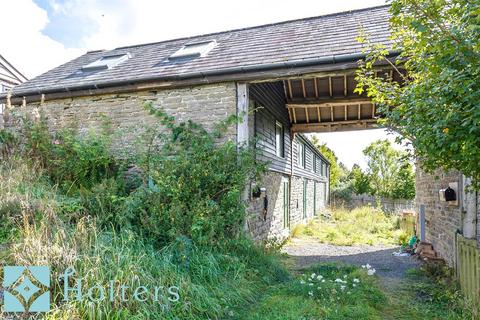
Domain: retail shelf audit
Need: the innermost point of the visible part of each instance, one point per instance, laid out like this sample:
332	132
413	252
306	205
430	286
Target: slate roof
273	44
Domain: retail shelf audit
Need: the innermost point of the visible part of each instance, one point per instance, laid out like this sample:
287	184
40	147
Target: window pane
279	140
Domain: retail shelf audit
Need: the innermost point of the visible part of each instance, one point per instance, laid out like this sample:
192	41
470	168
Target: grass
323	291
427	295
365	225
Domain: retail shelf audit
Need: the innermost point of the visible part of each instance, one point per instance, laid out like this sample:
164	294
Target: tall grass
365	225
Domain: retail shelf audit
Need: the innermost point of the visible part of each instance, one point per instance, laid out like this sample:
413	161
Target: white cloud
23	43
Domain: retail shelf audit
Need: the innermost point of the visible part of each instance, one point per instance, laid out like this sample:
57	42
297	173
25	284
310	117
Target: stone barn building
298	76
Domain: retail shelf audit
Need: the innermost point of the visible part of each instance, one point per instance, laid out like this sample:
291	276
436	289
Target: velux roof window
193	50
106	62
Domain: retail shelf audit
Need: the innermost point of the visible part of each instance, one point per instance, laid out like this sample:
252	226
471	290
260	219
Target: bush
70	159
194	183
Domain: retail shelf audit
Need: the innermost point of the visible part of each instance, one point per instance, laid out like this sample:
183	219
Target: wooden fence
468	267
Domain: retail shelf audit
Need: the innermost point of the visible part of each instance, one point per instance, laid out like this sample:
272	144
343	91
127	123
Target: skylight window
106	62
194	50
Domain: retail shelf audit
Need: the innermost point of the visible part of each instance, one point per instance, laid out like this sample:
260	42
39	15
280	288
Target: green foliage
436	106
360	180
365	225
323	291
194	184
8	141
70	159
389	171
337	169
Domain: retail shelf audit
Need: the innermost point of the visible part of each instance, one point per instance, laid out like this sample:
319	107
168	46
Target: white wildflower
302	282
356	280
310	293
342	288
371	272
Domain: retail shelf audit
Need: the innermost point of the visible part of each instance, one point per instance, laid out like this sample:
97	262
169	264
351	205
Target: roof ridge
253	27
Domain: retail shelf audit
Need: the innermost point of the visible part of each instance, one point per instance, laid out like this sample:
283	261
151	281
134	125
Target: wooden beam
242	113
373	110
319	115
306	115
345	85
289	115
330	86
294	116
342	100
324	104
332	126
285	89
290	89
359	111
303	88
316	87
331	112
346	112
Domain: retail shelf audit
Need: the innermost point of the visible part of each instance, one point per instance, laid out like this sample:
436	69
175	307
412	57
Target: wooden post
242	135
242	114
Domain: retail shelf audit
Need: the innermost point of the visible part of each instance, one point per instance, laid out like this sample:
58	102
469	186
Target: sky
43	34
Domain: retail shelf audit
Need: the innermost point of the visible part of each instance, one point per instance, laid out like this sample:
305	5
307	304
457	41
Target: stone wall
442	219
271	226
204	104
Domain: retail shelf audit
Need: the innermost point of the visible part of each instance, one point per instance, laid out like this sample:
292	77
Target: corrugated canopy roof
279	43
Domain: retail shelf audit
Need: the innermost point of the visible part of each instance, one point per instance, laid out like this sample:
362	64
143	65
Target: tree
436	106
337	169
390	173
360	180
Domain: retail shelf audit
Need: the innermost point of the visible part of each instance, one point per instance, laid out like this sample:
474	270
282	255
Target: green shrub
70	159
194	183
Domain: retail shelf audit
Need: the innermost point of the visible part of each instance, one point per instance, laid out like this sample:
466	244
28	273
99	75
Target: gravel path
391	269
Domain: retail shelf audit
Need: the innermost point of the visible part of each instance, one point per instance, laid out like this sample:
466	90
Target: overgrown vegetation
324	291
168	215
365	225
430	292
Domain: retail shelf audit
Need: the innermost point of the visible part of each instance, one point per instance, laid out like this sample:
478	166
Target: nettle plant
436	107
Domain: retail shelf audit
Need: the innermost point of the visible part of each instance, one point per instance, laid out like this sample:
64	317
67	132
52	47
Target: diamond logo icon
26	288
